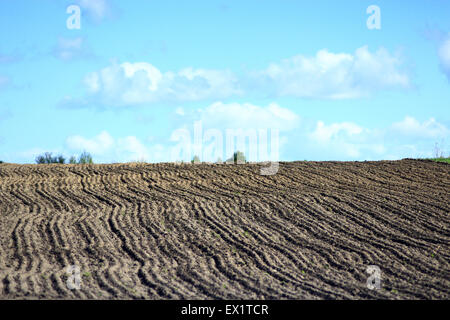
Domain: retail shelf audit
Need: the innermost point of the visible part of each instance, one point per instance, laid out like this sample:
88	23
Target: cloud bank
406	138
326	75
138	83
104	146
320	141
412	128
330	75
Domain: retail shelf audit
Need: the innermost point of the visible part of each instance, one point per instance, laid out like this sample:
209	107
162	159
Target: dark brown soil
167	231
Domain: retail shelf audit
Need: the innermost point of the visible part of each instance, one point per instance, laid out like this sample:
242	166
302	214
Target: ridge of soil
168	231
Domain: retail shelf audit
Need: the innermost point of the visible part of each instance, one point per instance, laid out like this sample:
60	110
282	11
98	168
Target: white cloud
326	75
345	139
413	128
153	74
138	83
444	56
91	82
71	48
105	148
319	141
198	84
247	115
134	147
334	75
324	133
97	145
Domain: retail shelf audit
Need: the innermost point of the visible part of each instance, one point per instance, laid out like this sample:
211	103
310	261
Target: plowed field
167	231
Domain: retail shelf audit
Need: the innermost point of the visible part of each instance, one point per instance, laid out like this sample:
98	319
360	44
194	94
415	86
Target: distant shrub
48	158
237	158
73	160
40	159
196	159
85	158
1	161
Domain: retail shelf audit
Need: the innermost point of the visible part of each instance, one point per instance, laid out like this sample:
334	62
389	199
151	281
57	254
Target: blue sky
138	75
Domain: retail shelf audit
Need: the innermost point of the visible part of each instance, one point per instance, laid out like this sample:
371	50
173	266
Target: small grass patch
446	160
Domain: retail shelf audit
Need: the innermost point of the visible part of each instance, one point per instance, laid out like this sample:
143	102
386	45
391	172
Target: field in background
167	231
